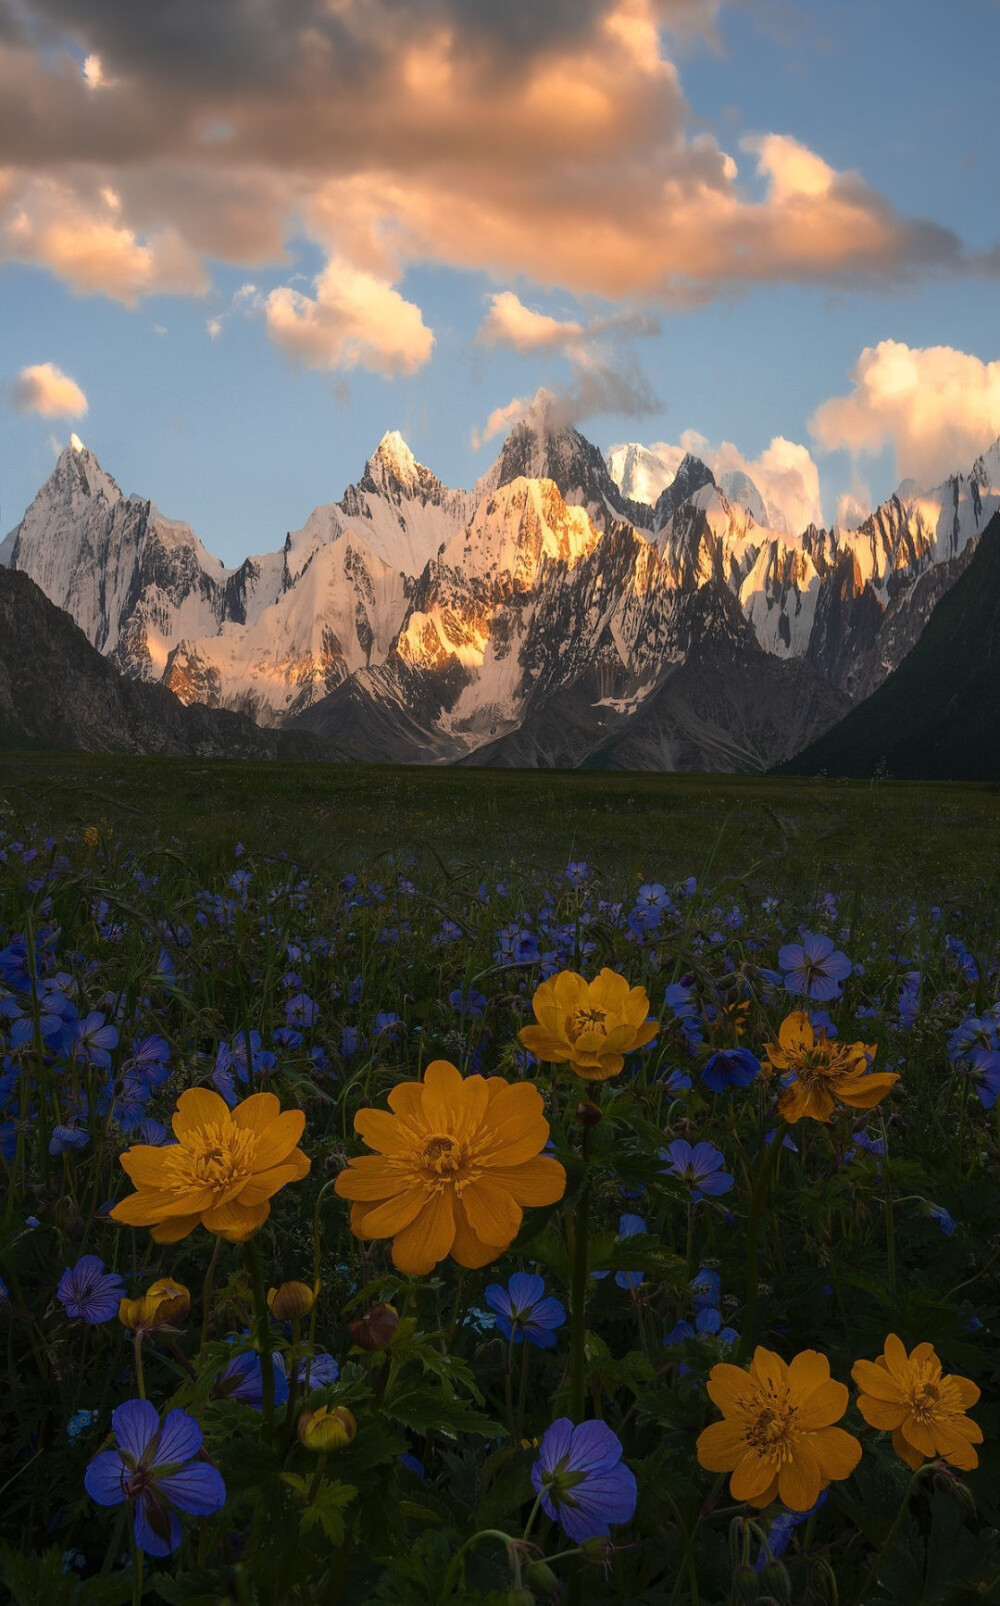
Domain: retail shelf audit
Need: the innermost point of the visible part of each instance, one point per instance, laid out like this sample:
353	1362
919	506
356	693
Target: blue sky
242	434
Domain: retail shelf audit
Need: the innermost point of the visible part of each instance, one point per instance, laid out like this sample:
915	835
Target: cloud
552	142
938	409
510	323
784	473
79	237
853	507
503	419
355	320
43	388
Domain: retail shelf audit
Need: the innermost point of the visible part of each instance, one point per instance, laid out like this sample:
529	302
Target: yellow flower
777	1436
590	1026
290	1300
91	837
164	1304
457	1160
222	1171
330	1428
925	1411
825	1072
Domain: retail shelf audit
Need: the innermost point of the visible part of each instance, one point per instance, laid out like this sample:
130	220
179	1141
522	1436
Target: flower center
442	1155
772	1429
587	1020
215	1157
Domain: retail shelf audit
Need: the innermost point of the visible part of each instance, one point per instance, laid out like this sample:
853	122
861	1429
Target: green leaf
426	1410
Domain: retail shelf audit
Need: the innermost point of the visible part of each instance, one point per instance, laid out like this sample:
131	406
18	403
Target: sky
238	243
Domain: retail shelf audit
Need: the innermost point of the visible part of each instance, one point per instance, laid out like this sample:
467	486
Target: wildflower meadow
410	1219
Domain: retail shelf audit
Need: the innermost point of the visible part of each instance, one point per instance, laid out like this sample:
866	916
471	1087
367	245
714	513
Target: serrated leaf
424	1411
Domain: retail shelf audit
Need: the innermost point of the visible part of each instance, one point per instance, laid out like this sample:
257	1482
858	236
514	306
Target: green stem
451	1576
890	1224
136	1565
207	1290
263	1333
522	1392
140	1380
578	1306
862	1595
758	1201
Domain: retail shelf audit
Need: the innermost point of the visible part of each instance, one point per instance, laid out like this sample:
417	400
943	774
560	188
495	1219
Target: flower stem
578	1306
136	1567
890	1225
862	1595
140	1380
758	1201
263	1333
207	1290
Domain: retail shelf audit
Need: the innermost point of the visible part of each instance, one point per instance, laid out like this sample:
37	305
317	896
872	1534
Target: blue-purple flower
812	967
699	1166
88	1292
155	1469
524	1311
581	1479
243	1380
729	1068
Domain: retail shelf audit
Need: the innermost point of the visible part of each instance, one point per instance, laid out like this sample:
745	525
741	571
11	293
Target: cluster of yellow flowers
457	1159
777	1435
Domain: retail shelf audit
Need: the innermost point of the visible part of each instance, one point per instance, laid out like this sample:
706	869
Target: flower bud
376	1330
597	1549
329	1428
291	1300
950	1484
775	1581
520	1597
91	837
163	1305
540	1577
588	1114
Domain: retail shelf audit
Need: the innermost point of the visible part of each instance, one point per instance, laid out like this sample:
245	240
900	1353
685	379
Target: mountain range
546	617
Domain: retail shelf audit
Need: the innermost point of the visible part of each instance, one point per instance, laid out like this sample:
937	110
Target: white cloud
502	419
853	507
937	407
43	388
510	323
784	473
356	320
214	327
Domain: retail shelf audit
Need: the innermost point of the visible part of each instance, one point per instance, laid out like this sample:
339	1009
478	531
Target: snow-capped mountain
543	617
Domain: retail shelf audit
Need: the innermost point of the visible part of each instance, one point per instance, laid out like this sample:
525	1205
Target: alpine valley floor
774	834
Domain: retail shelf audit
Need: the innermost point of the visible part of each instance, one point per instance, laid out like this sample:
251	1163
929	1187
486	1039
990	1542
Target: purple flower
984	1074
66	1138
629	1226
811	967
243	1380
155	1467
707	1289
707	1324
88	1292
581	1479
523	1311
780	1532
317	1371
301	1011
731	1067
945	1221
94	1040
575	873
700	1167
470	1003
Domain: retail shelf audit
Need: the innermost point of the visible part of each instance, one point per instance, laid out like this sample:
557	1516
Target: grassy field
892	838
758	1137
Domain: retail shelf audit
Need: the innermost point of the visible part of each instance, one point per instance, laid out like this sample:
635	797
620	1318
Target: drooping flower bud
291	1300
164	1304
588	1114
329	1428
376	1330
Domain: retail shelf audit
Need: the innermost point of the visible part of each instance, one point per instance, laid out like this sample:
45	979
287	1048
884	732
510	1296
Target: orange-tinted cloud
355	319
43	388
937	407
549	141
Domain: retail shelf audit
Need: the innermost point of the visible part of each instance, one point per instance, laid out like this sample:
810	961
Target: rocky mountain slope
545	616
935	717
56	690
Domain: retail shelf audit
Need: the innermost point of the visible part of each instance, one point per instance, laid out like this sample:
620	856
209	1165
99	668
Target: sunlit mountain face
545	616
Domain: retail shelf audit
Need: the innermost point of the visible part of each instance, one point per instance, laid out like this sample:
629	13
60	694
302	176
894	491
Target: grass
800	835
